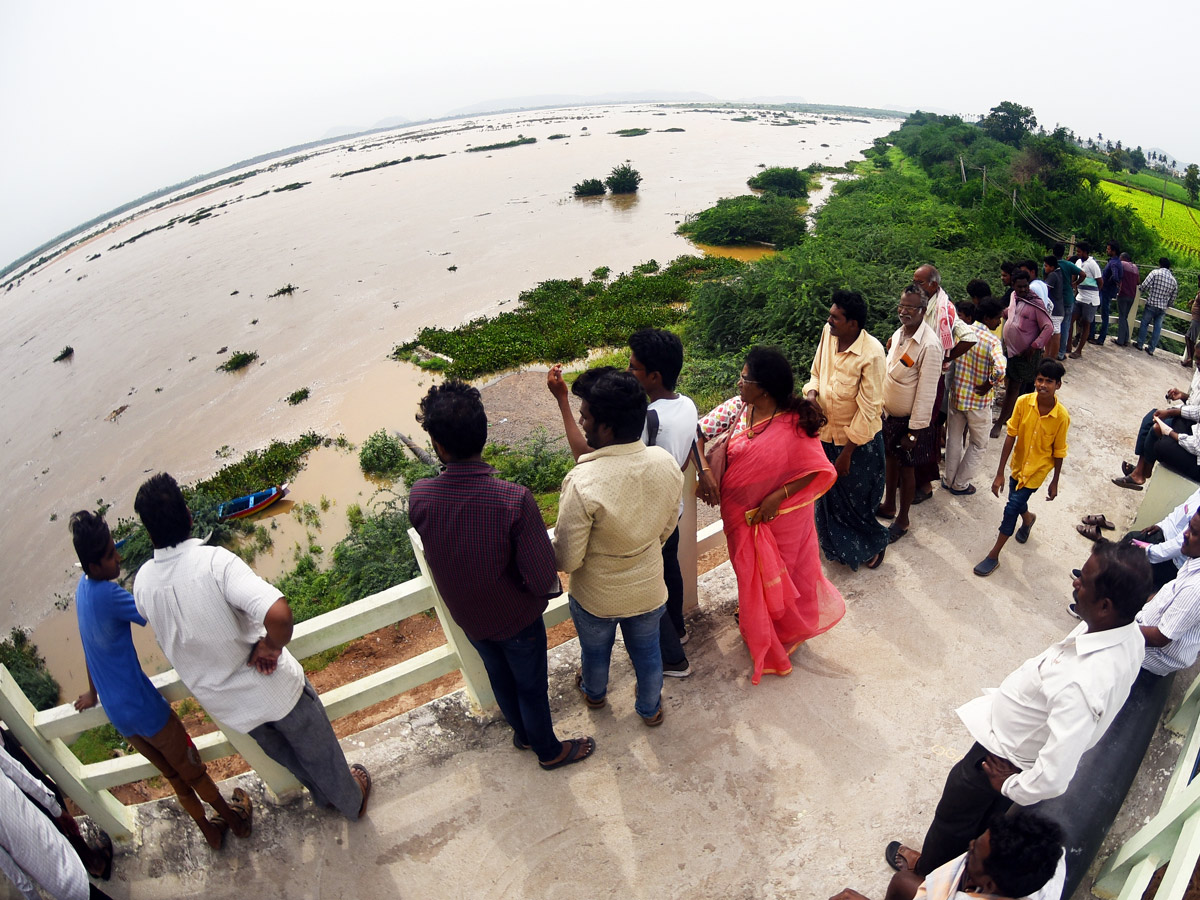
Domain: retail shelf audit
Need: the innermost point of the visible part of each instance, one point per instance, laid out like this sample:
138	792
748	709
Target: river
374	257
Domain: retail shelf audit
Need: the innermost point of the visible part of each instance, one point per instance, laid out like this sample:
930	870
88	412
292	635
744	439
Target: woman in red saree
775	470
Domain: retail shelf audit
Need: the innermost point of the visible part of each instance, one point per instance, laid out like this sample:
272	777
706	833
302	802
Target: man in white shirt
1030	733
1087	299
225	631
1162	541
1170	620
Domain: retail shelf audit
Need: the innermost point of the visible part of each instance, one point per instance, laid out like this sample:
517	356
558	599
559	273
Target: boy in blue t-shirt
134	706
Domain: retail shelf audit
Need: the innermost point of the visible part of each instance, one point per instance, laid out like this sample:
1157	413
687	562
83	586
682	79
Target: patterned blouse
732	412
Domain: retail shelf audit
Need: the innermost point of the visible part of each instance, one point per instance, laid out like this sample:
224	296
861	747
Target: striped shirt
1160	288
1175	611
983	362
487	549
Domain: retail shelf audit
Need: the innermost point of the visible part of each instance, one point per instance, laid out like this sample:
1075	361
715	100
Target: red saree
783	596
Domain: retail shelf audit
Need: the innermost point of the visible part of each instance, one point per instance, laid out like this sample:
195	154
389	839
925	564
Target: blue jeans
1100	332
671	628
1065	331
1018	502
1155	314
596	636
1124	304
516	668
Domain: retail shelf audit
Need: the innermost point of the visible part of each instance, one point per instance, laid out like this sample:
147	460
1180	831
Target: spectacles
742	379
911	308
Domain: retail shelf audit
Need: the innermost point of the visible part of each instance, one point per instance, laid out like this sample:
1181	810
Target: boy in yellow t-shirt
1037	440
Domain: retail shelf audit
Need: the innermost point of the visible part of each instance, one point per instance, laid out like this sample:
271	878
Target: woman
775	469
847	382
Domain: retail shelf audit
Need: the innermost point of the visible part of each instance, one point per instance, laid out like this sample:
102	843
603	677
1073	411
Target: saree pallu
783	596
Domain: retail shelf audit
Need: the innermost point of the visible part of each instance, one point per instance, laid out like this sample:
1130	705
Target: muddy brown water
370	255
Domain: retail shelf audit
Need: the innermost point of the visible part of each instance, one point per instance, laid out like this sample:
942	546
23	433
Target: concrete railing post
57	761
479	686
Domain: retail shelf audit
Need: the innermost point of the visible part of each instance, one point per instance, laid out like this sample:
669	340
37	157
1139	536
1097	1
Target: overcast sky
103	102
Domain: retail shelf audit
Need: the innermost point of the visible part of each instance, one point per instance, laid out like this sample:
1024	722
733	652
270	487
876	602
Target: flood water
371	257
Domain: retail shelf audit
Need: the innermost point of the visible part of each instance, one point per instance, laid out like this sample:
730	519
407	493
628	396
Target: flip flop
1127	468
877	560
363	777
517	743
105	849
962	492
578	750
895	532
1098	521
592	704
1091	532
921	498
986	567
880	514
1127	482
240	804
1022	534
894	855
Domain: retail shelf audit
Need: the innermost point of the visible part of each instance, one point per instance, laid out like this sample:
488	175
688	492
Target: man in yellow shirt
1037	430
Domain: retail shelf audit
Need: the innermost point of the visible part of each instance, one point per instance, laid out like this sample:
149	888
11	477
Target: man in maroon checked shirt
493	564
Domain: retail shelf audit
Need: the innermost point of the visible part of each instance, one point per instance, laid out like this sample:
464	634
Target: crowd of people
794	472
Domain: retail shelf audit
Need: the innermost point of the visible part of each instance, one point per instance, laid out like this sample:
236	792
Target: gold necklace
750	434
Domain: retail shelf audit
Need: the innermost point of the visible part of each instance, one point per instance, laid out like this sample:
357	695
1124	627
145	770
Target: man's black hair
1125	257
1059	250
659	351
1115	247
1019	272
988	308
1049	260
1083	247
164	512
1124	577
1031	267
977	289
89	534
967	309
615	399
1024	852
1052	368
852	305
1164	263
452	414
1007	267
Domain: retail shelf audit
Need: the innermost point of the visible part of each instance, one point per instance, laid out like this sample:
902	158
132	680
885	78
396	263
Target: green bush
748	219
297	397
784	181
239	360
521	139
590	187
632	132
98	744
539	461
65	353
381	454
27	667
623	179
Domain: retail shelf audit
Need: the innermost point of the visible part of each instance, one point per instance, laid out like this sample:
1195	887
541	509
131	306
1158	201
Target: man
1111	287
1019	856
1162	541
1030	733
956	338
972	392
1160	288
225	630
1088	287
1054	284
911	380
493	564
1070	273
618	506
1039	287
1027	331
1170	620
1126	297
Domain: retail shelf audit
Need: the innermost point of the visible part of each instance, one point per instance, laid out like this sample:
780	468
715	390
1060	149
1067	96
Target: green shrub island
748	219
239	360
782	181
623	179
589	187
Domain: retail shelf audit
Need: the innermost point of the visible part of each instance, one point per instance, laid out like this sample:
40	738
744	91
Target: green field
1178	226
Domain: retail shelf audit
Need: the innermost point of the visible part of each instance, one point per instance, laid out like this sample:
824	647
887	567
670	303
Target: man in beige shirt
910	386
847	382
617	508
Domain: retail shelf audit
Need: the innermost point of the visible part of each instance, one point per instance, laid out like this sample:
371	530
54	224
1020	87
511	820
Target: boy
133	704
1038	429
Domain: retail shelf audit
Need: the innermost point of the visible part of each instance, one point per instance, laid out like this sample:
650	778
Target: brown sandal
1091	532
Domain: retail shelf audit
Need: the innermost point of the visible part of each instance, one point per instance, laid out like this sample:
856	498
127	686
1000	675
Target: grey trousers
303	742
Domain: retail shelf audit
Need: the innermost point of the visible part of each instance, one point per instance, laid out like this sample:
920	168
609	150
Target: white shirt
1056	706
1089	294
1173	528
1175	611
207	608
936	885
676	429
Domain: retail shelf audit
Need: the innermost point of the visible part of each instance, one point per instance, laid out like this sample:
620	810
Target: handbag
714	450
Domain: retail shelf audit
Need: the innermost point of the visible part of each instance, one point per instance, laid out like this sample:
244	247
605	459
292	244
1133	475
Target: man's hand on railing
86	700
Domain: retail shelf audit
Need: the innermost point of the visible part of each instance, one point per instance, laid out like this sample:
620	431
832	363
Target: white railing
45	735
1173	835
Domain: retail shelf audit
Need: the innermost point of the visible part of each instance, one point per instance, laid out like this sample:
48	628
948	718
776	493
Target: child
1038	430
133	704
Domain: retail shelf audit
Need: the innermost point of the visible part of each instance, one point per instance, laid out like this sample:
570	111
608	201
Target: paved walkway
788	789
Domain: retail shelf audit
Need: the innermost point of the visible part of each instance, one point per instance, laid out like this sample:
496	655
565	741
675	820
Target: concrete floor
788	789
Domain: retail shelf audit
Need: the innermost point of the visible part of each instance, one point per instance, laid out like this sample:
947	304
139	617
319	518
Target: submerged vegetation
748	219
783	181
632	132
623	179
297	397
590	187
65	353
521	139
239	360
286	291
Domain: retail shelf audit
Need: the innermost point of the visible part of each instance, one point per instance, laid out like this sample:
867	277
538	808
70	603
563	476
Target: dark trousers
516	667
1100	331
671	627
968	804
1124	304
1163	572
1166	450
